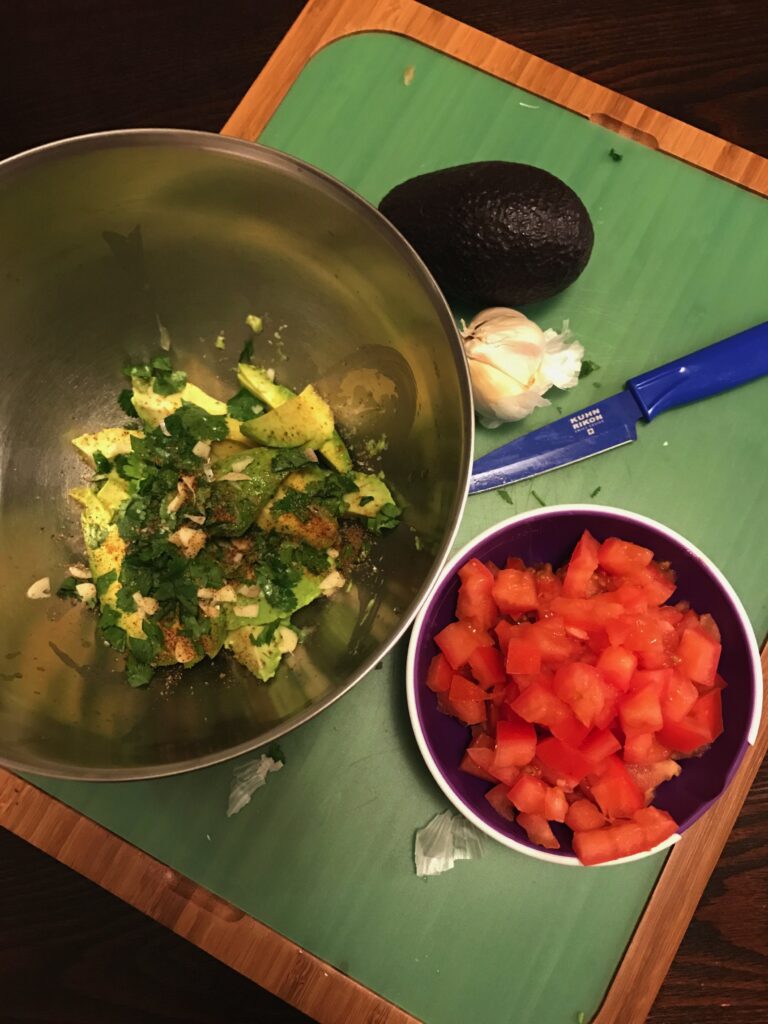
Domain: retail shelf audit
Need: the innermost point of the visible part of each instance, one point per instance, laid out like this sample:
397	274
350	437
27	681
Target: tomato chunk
555	804
499	801
514	591
617	666
475	603
595	846
459	640
640	710
563	762
470	712
523	656
570	730
486	666
528	793
462	689
708	712
622	558
643	748
439	674
580	686
471	767
581	567
583	815
616	794
515	743
600	744
656	824
539	831
539	705
678	697
699	654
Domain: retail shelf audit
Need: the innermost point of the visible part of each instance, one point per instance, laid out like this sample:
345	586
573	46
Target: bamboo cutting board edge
240	941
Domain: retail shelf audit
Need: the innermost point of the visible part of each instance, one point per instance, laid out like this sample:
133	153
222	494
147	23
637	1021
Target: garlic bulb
512	363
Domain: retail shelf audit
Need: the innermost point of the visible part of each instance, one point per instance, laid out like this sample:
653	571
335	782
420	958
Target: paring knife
613	421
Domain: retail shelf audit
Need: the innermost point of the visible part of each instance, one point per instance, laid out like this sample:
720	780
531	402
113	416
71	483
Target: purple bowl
549	535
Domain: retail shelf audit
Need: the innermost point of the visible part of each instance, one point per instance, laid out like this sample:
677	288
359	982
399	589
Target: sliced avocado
313	526
110	442
233	505
370	497
113	493
152	408
305	592
221	450
303	421
260	659
274	395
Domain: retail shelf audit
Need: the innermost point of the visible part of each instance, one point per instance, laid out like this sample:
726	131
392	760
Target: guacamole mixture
208	524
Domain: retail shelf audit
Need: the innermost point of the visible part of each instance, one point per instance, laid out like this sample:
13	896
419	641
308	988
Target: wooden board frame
213	924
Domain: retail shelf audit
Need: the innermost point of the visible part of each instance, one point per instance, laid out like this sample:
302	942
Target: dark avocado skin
495	233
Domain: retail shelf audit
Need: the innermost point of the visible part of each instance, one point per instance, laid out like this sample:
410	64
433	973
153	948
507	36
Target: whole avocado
494	233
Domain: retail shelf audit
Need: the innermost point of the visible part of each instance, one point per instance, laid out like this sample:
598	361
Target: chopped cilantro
247	353
143	650
196	423
313	560
274	750
595	493
366	500
289	458
67	588
102	463
138	673
266	633
386	518
587	367
537	498
125	401
505	496
160	374
104	582
244	406
108	625
614	155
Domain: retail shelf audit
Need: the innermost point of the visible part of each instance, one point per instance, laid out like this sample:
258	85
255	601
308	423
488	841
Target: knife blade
613	421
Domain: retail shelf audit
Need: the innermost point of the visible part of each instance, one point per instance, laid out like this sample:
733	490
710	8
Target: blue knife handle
709	371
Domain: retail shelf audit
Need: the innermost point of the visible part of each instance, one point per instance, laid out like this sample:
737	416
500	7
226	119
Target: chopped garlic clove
332	582
40	588
287	640
79	571
234	476
246	611
199	520
86	592
189	541
225	594
202	450
241	464
249	591
247	779
146	605
441	842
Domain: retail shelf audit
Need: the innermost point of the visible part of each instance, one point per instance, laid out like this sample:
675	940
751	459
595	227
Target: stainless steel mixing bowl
225	228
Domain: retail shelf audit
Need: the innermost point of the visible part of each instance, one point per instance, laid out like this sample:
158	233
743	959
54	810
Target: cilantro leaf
102	463
266	634
67	588
595	493
125	401
386	518
614	155
275	751
138	673
197	424
505	496
247	353
244	406
289	458
587	367
104	582
141	649
160	373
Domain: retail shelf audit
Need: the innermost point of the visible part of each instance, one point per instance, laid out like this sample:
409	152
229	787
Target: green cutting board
324	854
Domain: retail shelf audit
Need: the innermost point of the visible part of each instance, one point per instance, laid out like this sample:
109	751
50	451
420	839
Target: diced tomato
648	777
617	666
595	846
708	712
580	686
581	566
656	824
492	568
563	763
616	794
600	743
470	712
685	736
499	801
548	586
632	598
555	804
513	562
583	815
643	748
550	637
538	830
515	743
475	603
504	631
507	775
708	625
439	674
604	719
699	654
678	697
659	584
514	591
622	558
588	613
539	705
528	794
640	710
471	767
523	656
640	633
522	680
462	689
487	667
628	838
570	730
458	640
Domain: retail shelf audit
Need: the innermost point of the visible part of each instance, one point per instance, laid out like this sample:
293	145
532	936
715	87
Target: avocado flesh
494	233
334	451
152	408
235	504
303	421
111	442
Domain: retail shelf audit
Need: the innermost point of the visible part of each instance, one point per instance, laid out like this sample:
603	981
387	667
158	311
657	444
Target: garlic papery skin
512	363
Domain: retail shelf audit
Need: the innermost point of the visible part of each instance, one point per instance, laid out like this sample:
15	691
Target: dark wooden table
70	952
